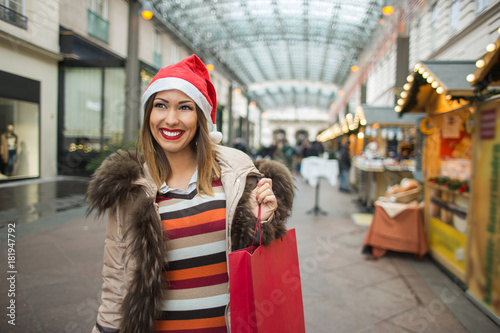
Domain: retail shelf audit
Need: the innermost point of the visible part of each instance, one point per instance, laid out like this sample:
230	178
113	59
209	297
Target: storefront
92	101
19	127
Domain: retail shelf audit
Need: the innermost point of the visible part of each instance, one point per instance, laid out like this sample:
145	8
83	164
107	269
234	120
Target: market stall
483	269
388	153
440	89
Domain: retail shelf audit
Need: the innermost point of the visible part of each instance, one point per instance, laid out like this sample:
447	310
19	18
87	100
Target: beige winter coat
133	253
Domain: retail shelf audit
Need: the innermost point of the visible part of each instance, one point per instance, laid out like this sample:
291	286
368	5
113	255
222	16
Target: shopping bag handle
257	226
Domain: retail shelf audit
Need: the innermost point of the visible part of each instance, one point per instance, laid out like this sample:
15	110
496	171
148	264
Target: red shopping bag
264	288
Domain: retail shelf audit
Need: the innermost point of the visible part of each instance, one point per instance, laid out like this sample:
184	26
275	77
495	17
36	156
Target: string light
491	47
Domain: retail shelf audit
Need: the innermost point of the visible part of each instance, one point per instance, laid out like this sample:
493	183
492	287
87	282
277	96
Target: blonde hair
154	156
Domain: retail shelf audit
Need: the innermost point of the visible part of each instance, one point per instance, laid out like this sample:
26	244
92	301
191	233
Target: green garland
451	183
418	81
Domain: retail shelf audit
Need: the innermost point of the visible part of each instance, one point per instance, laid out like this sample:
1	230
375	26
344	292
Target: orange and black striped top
197	294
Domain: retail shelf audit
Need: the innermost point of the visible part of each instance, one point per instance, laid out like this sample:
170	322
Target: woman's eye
186	107
160	106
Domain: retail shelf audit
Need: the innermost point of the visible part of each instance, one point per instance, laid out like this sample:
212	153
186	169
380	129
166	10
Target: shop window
454	16
94	108
19	139
98	24
146	78
12	11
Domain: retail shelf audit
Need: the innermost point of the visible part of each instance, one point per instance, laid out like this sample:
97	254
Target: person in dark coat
344	166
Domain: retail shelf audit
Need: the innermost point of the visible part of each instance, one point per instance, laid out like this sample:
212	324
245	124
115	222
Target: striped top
194	226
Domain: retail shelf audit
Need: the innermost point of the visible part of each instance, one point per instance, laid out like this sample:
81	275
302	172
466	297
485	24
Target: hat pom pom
215	136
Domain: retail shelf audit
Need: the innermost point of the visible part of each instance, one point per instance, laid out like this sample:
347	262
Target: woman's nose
171	118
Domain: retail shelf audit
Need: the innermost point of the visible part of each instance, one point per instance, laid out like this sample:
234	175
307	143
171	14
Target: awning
487	73
432	78
385	115
368	115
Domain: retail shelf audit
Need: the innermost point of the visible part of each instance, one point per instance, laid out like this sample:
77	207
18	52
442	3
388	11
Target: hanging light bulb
388	10
407	86
480	63
397	108
147	11
409	78
440	90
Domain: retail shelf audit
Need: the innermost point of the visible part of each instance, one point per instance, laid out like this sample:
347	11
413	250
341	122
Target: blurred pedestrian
344	166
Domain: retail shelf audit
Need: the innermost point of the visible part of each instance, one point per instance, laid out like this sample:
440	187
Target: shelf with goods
446	212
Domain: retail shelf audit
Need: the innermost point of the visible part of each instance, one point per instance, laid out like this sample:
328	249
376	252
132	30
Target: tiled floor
59	259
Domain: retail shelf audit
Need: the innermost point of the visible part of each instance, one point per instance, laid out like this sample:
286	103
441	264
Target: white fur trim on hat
186	87
189	89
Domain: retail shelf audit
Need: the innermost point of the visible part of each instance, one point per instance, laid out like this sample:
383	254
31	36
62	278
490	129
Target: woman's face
173	121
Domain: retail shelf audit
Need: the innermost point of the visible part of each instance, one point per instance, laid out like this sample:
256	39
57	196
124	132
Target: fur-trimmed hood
122	183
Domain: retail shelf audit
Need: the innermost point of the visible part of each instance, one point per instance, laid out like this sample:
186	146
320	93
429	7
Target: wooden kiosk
440	89
483	264
374	175
461	168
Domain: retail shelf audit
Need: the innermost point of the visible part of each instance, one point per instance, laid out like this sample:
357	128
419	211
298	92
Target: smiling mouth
171	135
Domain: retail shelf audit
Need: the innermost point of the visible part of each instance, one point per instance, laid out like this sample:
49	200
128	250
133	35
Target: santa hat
191	77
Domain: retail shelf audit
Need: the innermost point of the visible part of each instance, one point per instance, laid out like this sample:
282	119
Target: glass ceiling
282	53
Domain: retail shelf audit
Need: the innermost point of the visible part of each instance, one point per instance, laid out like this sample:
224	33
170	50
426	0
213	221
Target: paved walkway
58	261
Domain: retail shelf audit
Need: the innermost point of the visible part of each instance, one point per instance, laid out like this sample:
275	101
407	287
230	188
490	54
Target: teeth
167	133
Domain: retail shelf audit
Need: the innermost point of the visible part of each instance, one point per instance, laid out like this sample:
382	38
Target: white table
312	169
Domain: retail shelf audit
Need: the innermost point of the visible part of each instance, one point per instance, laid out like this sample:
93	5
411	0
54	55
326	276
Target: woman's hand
263	194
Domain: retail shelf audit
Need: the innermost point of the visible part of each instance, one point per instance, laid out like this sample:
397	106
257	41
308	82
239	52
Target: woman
177	209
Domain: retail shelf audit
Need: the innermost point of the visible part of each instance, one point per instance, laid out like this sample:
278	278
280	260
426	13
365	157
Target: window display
19	139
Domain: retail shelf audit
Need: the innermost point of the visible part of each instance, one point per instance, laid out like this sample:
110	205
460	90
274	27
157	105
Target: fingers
265	191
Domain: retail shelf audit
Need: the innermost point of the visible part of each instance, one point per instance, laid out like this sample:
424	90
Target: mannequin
8	149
